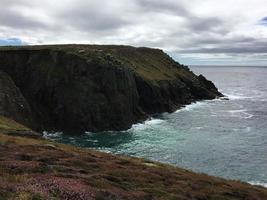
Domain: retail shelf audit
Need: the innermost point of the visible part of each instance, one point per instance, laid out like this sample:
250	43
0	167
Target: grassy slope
41	169
152	64
7	125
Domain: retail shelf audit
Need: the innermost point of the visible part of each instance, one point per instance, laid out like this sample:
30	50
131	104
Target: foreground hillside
77	88
34	168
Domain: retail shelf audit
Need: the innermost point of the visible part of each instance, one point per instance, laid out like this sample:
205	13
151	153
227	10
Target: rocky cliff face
76	88
12	102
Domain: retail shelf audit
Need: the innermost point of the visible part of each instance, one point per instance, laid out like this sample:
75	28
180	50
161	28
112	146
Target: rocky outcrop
76	88
12	102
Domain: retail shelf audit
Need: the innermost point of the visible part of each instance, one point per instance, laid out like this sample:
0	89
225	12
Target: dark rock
12	102
77	88
225	98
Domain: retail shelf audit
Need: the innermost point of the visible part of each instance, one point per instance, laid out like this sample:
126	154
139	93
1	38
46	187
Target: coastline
48	170
150	124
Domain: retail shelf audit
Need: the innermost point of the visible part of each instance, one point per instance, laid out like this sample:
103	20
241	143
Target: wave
153	121
241	113
237	111
236	97
192	106
255	95
258	183
198	104
49	135
147	124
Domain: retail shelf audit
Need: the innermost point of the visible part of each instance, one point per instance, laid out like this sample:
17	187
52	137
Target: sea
225	138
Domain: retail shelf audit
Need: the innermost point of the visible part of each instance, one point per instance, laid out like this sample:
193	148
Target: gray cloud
211	24
163	6
92	16
12	19
11	16
229	50
176	26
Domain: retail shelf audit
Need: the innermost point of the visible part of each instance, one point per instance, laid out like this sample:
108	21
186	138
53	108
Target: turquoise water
218	137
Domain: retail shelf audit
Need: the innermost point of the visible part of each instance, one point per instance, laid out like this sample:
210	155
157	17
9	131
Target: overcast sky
231	32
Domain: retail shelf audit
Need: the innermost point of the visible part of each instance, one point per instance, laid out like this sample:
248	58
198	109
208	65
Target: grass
151	64
7	124
42	169
88	173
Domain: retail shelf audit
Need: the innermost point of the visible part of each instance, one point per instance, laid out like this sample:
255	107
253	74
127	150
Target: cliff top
78	88
150	63
42	169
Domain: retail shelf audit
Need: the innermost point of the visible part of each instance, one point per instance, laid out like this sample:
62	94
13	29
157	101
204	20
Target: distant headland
77	88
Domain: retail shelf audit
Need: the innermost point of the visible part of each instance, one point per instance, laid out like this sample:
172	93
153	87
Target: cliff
77	88
85	87
12	102
34	168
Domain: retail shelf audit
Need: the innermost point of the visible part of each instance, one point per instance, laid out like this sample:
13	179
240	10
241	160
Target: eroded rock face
77	88
12	102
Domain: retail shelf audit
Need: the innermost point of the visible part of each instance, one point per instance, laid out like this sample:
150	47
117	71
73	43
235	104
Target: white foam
153	121
241	113
258	183
192	106
198	127
147	124
137	127
255	95
237	111
236	96
48	135
89	133
248	116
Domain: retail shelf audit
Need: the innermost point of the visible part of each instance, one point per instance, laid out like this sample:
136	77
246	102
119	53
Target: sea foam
147	124
243	113
191	106
236	96
51	135
258	183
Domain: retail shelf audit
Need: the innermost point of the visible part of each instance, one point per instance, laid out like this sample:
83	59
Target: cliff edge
35	168
77	88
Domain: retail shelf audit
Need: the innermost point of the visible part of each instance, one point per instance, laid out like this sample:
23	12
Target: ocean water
217	137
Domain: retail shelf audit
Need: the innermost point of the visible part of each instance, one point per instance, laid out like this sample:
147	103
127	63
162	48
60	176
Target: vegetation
41	169
152	64
78	88
7	125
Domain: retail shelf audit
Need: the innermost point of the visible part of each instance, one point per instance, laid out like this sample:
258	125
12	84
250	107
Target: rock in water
77	88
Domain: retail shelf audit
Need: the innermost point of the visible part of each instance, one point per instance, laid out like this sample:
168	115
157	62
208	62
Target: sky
193	32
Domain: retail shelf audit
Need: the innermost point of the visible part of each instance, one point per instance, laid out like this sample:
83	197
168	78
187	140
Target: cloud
167	6
12	19
12	15
194	29
92	16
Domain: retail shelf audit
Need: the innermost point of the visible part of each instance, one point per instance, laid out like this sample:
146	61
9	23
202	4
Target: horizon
193	33
260	66
189	65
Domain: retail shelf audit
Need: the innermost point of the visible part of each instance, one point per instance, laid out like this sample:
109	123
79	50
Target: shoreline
42	167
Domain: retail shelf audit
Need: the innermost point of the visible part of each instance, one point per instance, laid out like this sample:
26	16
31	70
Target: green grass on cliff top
152	64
